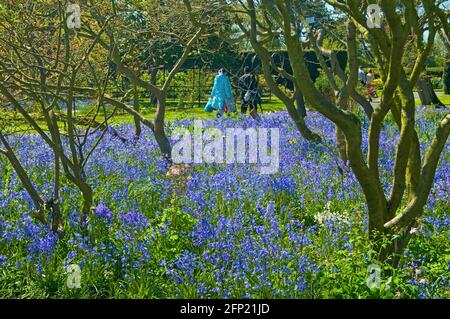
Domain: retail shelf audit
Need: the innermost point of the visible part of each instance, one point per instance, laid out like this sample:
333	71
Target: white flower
328	215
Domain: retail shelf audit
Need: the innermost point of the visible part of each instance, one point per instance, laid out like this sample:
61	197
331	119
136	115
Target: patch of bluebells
103	213
246	241
127	250
134	221
439	225
38	240
245	254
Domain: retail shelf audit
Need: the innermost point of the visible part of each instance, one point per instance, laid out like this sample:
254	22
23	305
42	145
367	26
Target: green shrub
435	71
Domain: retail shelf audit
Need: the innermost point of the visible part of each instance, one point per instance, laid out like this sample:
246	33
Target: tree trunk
446	77
42	207
301	107
57	220
341	142
365	103
159	129
137	122
296	115
427	94
153	80
87	201
341	146
87	193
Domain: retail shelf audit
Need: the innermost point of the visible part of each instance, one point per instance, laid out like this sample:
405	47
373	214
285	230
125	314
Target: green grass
175	112
445	98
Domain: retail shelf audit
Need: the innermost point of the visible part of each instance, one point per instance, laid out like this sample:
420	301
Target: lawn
275	105
174	112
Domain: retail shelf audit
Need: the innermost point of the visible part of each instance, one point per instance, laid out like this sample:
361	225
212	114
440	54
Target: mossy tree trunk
446	77
427	94
413	173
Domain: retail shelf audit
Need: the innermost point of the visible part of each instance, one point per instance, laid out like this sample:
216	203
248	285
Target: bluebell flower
3	261
103	213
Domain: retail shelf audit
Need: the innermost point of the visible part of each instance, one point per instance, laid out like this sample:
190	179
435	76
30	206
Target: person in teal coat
222	95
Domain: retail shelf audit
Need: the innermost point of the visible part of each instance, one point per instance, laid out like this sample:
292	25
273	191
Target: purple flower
3	261
134	220
103	213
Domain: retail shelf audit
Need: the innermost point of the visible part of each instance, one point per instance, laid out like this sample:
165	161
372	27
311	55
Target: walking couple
222	98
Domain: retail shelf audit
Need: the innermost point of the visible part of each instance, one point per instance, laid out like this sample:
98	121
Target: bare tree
41	61
173	24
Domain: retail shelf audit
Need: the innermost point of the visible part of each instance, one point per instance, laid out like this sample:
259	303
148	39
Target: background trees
395	214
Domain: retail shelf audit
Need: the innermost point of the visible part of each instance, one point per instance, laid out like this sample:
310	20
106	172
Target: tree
262	28
394	215
446	77
425	88
172	26
294	101
426	92
41	64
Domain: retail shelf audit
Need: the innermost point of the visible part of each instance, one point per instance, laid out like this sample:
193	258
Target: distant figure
248	87
221	96
362	76
369	84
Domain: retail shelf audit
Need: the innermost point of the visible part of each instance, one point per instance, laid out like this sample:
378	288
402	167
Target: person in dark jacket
248	87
